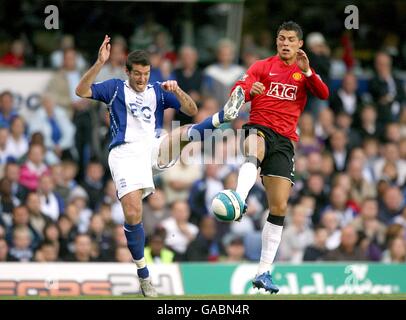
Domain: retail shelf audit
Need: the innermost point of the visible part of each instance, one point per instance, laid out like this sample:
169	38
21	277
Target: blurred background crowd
57	199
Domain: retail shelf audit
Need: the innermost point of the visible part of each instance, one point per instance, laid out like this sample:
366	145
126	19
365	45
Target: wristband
308	73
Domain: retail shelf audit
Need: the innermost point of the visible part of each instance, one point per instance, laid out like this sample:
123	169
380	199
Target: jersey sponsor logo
142	113
297	76
282	91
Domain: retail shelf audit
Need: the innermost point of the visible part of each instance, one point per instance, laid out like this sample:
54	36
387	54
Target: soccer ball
227	206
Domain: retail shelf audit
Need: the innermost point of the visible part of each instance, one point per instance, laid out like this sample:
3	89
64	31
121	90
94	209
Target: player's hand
170	85
257	88
104	51
302	61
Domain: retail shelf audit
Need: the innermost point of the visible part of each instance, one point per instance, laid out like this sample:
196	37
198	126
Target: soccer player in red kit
277	88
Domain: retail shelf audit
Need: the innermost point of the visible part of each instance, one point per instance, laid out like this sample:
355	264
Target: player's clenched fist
257	88
170	85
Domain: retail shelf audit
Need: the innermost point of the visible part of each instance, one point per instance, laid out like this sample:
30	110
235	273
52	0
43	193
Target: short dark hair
137	57
291	26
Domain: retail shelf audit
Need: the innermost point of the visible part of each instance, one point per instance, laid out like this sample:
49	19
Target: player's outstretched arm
83	89
187	105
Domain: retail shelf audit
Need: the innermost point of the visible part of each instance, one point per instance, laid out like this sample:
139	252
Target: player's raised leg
134	232
277	190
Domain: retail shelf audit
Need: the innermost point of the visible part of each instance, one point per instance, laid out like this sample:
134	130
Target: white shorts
133	165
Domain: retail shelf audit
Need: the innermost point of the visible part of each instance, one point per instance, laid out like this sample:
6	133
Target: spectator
37	218
93	183
67	42
155	251
47	252
338	145
234	249
5	153
154	211
7	200
308	139
348	250
189	78
64	82
329	220
110	198
51	203
346	99
360	187
34	167
4	252
100	236
21	250
391	154
67	234
12	173
15	57
123	255
7	112
221	76
17	143
179	232
82	250
204	247
396	252
56	127
178	180
115	67
79	199
339	205
368	126
296	236
387	90
391	205
317	250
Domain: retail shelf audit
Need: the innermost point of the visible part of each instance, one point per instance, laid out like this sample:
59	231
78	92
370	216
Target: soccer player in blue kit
137	149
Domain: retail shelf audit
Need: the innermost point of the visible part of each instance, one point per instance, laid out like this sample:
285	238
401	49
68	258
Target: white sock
246	179
271	237
215	120
140	263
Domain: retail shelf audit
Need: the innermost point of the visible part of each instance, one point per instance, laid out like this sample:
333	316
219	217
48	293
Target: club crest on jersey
282	91
297	76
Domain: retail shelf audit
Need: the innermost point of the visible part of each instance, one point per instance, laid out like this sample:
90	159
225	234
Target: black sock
276	220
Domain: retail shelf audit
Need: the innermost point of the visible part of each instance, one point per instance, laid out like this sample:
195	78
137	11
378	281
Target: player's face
288	44
139	77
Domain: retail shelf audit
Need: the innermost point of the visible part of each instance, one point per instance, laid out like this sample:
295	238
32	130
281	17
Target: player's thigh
277	192
254	145
132	206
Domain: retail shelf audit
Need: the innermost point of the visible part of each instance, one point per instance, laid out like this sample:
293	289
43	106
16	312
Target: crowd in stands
58	201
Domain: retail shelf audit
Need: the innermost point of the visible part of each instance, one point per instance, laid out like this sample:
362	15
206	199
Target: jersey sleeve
104	91
170	101
316	86
252	75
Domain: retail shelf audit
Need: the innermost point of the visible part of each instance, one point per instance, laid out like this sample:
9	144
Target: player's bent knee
279	209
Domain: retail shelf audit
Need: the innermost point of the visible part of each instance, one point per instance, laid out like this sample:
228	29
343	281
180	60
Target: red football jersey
285	95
